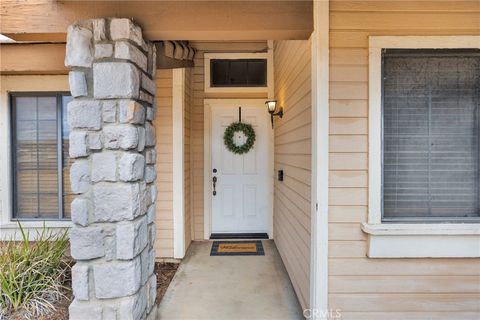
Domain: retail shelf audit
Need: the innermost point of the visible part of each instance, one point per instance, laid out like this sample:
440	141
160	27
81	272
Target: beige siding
383	288
193	153
197	116
164	165
187	159
293	155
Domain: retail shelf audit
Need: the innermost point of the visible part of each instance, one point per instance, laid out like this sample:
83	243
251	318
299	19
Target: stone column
112	140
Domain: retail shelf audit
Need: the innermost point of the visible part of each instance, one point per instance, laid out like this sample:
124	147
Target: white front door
244	183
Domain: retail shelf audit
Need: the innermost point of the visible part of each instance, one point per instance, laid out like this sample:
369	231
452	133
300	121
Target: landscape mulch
165	272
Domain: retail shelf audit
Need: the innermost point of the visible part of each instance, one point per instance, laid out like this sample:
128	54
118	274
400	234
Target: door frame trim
207	162
320	160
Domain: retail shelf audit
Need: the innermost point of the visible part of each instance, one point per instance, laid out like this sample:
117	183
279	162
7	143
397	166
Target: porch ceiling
47	20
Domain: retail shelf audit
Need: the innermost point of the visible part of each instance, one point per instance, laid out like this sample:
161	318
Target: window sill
10	230
423	240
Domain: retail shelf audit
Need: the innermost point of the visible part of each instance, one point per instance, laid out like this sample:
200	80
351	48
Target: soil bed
164	270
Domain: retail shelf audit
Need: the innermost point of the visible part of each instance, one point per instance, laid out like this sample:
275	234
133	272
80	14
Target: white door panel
243	200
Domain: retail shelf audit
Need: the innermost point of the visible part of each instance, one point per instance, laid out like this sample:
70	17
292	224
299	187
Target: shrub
32	274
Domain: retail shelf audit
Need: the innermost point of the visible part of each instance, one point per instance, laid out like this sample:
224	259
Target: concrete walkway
230	287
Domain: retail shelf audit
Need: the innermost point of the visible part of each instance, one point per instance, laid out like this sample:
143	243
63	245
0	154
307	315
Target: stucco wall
383	288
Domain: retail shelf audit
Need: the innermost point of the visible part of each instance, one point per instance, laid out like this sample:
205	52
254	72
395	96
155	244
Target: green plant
32	273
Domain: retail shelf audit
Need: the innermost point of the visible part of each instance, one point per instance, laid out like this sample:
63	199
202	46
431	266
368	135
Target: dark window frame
423	219
59	118
213	60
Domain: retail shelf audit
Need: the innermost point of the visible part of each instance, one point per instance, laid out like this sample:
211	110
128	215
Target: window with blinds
41	189
431	135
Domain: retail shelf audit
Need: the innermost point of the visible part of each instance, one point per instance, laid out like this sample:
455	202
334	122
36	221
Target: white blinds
431	134
37	152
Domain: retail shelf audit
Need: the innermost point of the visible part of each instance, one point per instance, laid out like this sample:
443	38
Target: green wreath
230	131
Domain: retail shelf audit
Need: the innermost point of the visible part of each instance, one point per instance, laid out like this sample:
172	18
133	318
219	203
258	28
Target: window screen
238	73
40	156
431	134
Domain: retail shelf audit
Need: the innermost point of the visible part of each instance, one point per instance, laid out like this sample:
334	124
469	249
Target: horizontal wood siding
198	95
383	288
187	158
164	165
293	155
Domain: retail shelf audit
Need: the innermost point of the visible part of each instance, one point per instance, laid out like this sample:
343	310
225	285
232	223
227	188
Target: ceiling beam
47	20
32	59
48	58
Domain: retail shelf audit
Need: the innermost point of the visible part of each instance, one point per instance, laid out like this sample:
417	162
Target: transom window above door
431	135
238	72
40	143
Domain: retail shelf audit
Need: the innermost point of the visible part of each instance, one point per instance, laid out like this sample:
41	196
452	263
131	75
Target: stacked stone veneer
112	140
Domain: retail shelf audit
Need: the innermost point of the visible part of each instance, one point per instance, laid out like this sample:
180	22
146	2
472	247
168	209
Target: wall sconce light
272	106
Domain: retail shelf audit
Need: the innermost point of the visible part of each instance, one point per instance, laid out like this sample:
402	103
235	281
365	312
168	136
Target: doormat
241	236
237	248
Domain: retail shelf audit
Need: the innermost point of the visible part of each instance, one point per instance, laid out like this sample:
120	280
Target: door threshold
242	236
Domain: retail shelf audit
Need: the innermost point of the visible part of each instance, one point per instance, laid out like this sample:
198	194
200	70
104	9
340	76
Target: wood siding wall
292	197
164	165
187	158
366	288
199	95
193	153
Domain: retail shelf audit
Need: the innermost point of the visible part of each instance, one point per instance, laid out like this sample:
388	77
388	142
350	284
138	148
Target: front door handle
214	185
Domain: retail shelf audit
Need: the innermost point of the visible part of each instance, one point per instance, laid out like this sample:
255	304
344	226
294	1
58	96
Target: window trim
59	114
388	239
21	83
238	56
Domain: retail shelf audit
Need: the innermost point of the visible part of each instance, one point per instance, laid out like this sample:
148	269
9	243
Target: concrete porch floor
230	287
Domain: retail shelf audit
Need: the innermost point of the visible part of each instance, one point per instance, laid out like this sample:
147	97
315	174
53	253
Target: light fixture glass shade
271	105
